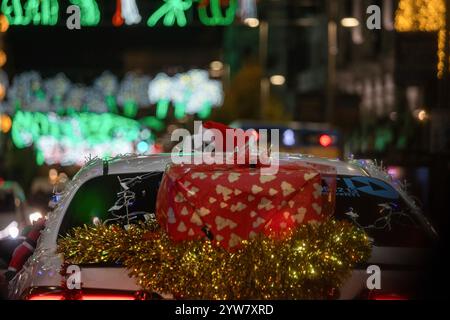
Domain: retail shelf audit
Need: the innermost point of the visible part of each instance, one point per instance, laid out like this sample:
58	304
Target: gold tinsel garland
308	264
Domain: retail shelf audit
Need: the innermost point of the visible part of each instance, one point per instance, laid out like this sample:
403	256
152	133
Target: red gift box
230	203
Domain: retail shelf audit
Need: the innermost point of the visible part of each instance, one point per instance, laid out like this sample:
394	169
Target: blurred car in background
317	139
12	209
15	215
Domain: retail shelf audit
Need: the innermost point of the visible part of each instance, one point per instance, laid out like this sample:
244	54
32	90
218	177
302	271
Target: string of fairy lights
425	16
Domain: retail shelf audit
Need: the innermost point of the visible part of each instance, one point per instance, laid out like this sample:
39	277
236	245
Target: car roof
158	162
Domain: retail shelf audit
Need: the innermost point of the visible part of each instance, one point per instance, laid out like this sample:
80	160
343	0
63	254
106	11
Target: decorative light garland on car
309	263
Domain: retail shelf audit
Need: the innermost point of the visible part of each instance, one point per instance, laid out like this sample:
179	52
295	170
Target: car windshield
367	202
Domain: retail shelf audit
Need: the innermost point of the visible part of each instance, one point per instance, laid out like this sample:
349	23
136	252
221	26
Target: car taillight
386	296
45	297
84	297
89	294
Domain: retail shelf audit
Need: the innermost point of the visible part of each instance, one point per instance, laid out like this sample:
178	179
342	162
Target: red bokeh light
325	140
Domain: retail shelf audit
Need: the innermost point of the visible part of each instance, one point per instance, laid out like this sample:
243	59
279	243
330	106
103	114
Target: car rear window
370	203
378	208
96	196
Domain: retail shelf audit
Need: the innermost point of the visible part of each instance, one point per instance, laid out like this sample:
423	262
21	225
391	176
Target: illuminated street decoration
190	92
216	17
168	13
37	12
133	93
425	16
247	9
70	139
159	94
173	12
4	24
130	12
108	84
5	123
90	14
126	11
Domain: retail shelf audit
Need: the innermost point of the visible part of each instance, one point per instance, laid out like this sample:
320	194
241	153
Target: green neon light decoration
130	108
162	107
12	11
173	12
179	111
216	18
37	12
90	14
40	159
111	103
74	134
170	13
205	112
153	123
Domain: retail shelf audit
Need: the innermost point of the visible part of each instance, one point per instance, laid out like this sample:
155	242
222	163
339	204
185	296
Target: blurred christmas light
117	19
4	24
247	9
388	22
251	22
5	123
130	12
190	92
126	11
216	65
90	14
69	140
3	58
37	12
393	116
421	114
425	16
349	22
325	140
170	12
216	17
142	147
2	91
277	80
52	175
289	137
173	12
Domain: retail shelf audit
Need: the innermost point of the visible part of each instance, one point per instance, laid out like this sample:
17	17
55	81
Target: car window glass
96	196
378	208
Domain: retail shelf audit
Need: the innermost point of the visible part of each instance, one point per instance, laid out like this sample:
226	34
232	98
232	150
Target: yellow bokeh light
5	123
4	24
425	16
2	58
2	92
